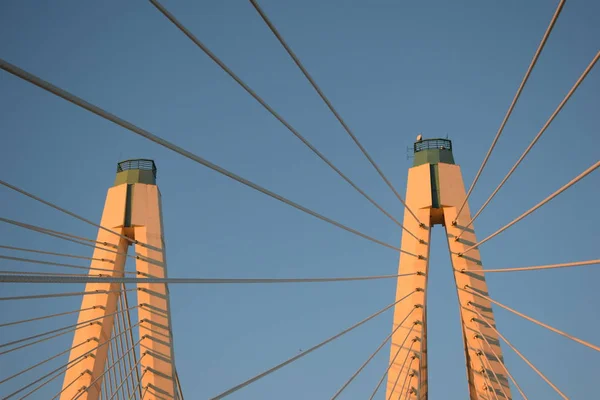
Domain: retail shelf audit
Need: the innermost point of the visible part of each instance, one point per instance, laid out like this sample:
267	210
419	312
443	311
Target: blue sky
393	70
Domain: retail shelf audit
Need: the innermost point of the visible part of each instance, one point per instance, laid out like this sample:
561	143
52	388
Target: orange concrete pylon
435	192
133	210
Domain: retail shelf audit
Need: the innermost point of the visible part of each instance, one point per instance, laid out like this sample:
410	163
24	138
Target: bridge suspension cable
512	105
23	321
326	100
130	373
40	273
44	383
262	102
393	360
403	365
482	355
42	262
556	389
69	385
55	254
541	267
57	234
540	204
39	341
124	304
500	361
139	386
109	279
534	141
119	353
180	391
109	368
79	324
48	359
67	365
144	393
468	289
129	126
358	371
489	377
304	353
407	379
66	294
489	385
79	217
79	240
421	358
121	324
481	336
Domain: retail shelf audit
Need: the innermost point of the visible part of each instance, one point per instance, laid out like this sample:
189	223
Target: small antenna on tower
409	152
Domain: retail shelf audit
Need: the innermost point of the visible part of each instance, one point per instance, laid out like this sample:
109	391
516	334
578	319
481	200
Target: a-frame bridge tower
434	195
133	211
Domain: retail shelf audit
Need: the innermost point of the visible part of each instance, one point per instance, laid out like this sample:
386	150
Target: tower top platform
432	151
136	171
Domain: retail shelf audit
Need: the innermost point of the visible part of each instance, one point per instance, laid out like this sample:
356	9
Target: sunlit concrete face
435	193
408	349
133	210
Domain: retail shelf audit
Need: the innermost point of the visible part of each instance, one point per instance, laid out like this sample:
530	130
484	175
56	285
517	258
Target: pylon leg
155	325
465	273
88	356
410	340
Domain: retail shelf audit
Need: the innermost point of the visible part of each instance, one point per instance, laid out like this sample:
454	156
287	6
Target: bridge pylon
435	192
132	212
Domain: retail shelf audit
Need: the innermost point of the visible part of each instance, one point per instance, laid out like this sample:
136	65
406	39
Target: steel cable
72	214
79	324
332	109
392	362
53	295
262	102
67	365
470	290
402	367
128	325
304	353
55	254
358	371
492	369
104	279
556	389
501	362
540	267
80	240
540	204
129	126
55	264
107	371
534	141
513	104
22	321
130	372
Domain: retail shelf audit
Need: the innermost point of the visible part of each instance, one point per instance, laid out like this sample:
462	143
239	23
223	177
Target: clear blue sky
393	69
